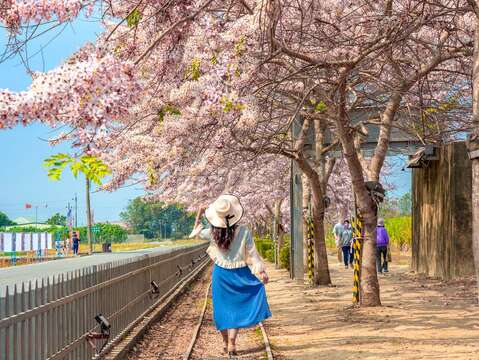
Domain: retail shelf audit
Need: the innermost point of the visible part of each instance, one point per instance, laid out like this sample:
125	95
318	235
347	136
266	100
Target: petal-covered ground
420	318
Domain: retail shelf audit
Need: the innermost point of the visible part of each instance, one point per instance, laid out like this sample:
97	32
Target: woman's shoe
232	354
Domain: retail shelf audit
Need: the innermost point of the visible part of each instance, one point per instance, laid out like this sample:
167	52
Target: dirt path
209	345
421	318
170	337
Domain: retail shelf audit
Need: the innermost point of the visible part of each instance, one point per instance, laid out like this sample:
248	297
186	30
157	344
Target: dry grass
122	247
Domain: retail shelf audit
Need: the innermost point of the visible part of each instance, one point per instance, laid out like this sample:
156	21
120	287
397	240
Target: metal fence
55	318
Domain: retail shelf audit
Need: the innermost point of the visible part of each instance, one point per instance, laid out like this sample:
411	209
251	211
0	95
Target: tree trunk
369	292
475	215
321	267
473	145
88	216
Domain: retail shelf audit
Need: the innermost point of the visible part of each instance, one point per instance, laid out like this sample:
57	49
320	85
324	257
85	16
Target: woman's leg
224	334
232	334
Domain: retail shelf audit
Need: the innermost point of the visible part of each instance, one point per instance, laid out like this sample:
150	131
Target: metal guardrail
56	319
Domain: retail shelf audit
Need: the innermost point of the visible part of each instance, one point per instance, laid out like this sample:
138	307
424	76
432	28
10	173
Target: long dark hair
223	236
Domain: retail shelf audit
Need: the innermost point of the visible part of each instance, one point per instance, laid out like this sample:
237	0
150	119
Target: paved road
24	273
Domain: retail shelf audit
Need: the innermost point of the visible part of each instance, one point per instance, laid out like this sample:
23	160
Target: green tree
388	208
4	220
405	204
93	168
156	219
112	233
57	219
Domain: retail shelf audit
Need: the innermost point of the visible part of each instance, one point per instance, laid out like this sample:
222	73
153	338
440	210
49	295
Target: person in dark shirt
382	243
76	243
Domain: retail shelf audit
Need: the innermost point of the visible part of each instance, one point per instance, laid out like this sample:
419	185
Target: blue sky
23	179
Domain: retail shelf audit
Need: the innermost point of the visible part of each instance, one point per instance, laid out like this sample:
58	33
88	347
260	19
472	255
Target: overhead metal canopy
400	141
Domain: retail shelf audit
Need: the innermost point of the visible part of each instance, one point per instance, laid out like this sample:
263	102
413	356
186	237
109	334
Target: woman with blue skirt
239	296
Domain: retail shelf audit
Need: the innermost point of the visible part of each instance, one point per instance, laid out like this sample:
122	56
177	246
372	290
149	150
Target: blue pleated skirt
239	298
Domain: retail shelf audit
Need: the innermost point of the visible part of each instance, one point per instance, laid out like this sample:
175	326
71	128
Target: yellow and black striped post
310	249
357	236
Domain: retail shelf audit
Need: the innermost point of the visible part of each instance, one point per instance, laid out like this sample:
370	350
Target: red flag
28	206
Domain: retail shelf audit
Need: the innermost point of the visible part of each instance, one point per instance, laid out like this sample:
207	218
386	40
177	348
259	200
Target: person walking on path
346	241
76	243
238	292
338	233
382	243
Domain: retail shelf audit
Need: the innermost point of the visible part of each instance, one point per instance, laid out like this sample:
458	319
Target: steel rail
189	351
116	350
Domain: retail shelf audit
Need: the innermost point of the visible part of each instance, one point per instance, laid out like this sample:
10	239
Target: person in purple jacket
382	242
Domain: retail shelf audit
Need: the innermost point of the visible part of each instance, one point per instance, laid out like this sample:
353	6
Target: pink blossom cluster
88	92
206	108
19	12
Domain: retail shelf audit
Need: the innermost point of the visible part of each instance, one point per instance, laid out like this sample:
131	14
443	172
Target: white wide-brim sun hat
225	206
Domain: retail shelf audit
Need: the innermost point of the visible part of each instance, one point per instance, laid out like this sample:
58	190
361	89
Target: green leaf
76	167
194	70
167	109
54	174
320	107
92	167
214	59
240	46
133	19
172	110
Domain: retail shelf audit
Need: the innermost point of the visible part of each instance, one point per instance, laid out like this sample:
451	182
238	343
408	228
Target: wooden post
296	248
275	237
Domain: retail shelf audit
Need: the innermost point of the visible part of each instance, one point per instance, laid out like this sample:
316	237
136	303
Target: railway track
190	354
188	324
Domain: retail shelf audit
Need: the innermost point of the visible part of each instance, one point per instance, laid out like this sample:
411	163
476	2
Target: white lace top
242	251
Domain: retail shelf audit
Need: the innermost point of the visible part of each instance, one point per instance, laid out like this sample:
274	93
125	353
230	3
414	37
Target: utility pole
76	210
70	229
88	215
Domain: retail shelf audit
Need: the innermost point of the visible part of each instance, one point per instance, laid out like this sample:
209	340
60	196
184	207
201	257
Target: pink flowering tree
198	97
371	59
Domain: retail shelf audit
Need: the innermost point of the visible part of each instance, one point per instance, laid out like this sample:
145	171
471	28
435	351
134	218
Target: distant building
27	221
24	220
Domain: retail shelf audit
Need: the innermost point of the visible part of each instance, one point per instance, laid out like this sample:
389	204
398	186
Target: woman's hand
264	277
198	226
199	214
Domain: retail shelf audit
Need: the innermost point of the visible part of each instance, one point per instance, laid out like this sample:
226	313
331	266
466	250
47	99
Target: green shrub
269	255
284	253
399	230
263	246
